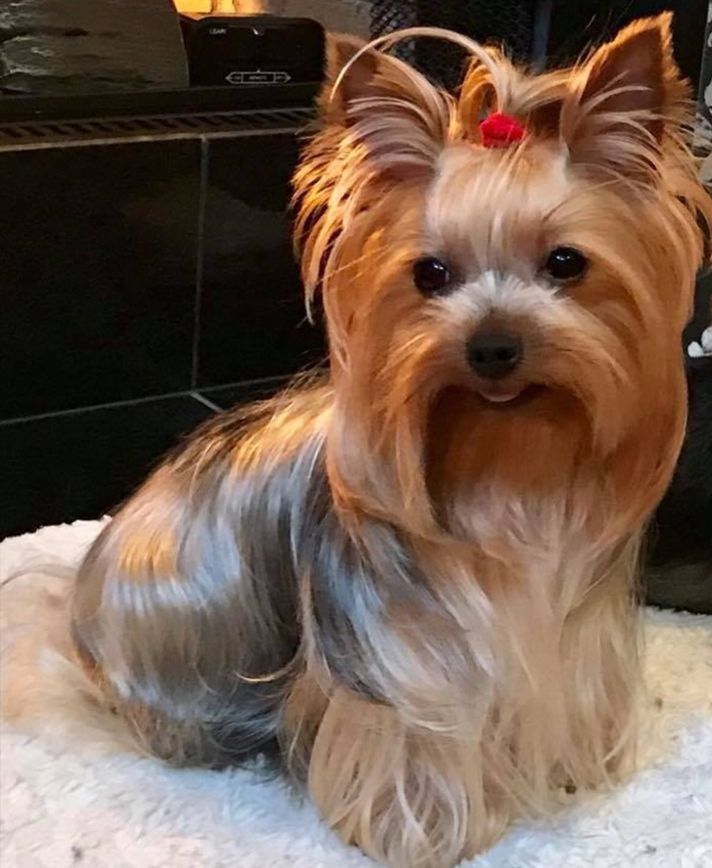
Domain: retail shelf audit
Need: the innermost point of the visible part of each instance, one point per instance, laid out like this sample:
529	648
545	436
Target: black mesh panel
509	22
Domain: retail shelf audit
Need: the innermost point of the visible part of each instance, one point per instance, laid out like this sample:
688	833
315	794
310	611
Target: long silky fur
423	605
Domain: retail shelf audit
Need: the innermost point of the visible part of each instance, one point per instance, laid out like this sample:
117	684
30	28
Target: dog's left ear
625	100
382	105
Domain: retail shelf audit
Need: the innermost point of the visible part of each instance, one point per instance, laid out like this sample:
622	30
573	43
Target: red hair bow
500	130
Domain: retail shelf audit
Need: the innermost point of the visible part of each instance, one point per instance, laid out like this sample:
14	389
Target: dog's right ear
385	106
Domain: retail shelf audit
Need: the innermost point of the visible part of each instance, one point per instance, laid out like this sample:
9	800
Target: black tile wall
252	316
133	273
98	273
679	568
224	397
682	530
81	465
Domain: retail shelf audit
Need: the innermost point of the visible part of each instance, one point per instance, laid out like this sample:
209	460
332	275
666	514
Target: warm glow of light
221	7
193	5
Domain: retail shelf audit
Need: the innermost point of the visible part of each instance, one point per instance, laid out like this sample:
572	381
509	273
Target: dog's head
504	299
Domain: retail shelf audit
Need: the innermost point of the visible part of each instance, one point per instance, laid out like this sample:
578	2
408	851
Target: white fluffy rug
73	793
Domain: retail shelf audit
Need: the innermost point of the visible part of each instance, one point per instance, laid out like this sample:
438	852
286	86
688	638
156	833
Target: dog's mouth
508	395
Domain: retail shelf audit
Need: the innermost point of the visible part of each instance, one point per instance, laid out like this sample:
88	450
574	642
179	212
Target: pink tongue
500	397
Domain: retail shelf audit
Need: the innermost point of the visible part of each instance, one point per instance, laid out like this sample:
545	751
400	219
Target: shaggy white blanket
74	794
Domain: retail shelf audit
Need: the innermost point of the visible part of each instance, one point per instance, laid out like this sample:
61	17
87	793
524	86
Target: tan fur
422	601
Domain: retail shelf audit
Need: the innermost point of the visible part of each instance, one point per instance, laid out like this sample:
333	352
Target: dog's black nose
494	355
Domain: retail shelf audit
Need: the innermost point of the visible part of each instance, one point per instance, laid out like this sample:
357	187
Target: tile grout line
73	411
201	399
200	259
130	402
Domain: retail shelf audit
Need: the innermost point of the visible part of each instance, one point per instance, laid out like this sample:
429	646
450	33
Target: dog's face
528	297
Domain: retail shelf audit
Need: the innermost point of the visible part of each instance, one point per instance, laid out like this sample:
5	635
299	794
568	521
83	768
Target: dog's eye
565	263
431	276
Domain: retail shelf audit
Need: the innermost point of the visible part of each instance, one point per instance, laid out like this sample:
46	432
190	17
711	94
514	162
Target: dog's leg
599	652
409	796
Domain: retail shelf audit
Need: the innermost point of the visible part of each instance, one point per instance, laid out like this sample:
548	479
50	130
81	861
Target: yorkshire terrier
413	580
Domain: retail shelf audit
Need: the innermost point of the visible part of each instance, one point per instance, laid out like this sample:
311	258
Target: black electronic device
245	50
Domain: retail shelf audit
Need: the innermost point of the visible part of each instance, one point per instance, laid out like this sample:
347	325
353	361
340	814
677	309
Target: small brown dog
414	580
